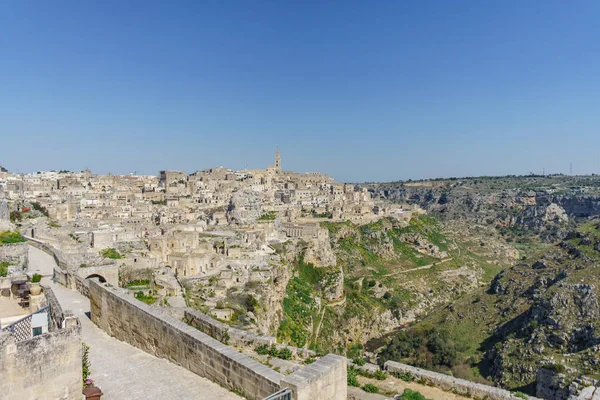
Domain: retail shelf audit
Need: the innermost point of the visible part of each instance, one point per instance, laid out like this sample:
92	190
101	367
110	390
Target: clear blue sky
369	90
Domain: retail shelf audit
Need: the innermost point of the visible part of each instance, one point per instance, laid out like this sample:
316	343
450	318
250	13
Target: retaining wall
452	384
45	367
15	253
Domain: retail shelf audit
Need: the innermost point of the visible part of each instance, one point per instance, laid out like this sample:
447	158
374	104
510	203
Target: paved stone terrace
123	371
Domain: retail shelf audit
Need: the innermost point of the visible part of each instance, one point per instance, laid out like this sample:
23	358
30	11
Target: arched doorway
87	279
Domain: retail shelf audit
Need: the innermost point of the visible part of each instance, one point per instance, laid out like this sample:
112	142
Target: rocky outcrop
319	251
333	287
165	282
245	207
422	245
272	301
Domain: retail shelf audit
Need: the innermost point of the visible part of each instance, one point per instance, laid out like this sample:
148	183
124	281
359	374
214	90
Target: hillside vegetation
390	273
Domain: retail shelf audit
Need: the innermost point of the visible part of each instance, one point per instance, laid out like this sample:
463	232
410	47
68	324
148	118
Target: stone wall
109	272
131	273
57	315
452	384
159	334
16	253
237	337
45	367
325	379
60	272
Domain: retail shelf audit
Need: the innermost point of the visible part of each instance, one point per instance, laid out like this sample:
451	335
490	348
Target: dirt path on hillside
418	268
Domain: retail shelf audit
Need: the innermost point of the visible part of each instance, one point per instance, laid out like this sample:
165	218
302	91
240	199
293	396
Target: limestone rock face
423	246
245	207
334	286
319	252
4	213
556	213
165	282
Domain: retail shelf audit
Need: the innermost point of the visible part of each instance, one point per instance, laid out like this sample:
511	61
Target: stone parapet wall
159	334
60	272
325	379
45	367
57	315
68	272
452	384
237	337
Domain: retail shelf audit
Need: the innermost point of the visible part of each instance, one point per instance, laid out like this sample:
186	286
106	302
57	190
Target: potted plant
35	288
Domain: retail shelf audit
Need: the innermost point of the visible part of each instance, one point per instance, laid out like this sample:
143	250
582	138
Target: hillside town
216	225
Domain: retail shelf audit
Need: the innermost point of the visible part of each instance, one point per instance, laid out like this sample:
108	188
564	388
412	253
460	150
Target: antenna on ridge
571	168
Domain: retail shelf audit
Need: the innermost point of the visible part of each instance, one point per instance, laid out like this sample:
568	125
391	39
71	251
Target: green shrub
145	298
9	237
370	388
4	268
380	375
135	283
263	350
111	253
37	206
285	354
270	216
15	216
521	395
251	303
352	377
406	377
273	352
412	395
359	361
558	368
85	364
36	278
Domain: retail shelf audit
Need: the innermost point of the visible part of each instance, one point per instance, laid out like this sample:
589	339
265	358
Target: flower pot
35	289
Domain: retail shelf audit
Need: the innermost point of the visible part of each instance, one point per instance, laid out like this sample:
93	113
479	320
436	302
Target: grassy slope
473	319
373	283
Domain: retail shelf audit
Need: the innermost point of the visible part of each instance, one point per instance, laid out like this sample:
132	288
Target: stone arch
100	278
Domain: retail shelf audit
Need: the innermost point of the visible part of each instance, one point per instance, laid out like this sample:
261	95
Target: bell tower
277	161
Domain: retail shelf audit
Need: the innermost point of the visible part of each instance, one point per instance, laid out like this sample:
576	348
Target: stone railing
162	335
57	315
60	272
237	337
71	275
452	384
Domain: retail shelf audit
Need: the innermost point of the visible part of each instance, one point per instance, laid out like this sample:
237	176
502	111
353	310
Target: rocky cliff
541	312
